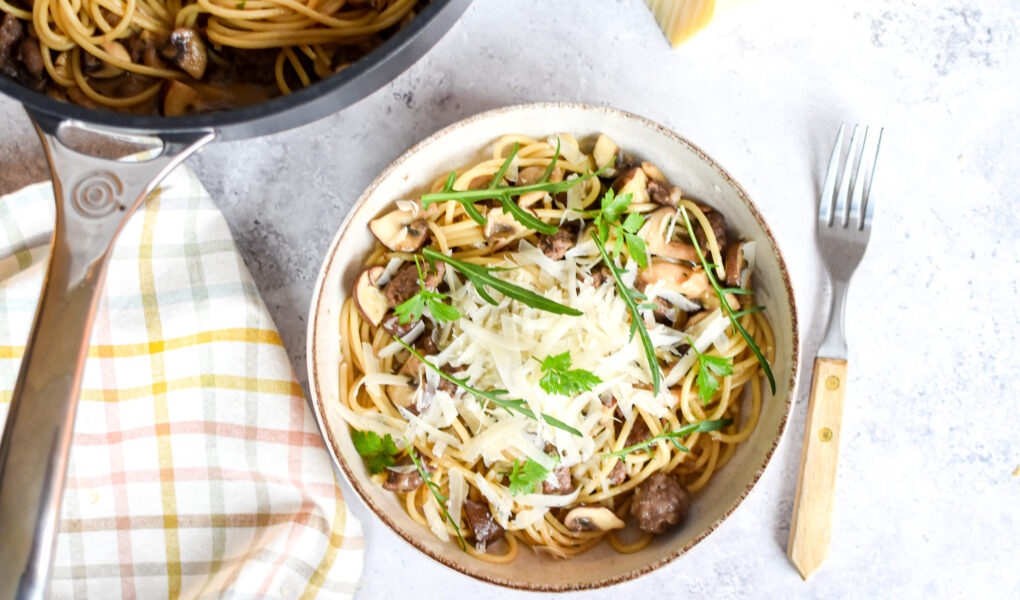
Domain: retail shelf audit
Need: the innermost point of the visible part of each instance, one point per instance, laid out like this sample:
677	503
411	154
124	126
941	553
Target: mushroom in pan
655	231
592	518
186	49
400	230
369	299
106	70
180	98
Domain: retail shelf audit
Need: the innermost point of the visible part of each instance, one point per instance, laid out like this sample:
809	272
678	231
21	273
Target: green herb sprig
710	368
378	452
612	207
505	193
721	293
412	309
497	397
437	493
674	437
558	378
481	277
525	476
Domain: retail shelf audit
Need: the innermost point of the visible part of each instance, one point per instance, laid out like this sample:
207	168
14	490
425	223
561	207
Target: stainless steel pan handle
95	197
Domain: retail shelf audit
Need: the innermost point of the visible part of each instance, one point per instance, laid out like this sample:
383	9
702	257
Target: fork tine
869	206
828	195
843	196
860	176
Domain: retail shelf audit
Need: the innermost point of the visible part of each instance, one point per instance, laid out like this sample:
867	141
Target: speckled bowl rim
360	205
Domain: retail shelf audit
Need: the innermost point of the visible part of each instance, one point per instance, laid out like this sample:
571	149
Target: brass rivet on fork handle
95	197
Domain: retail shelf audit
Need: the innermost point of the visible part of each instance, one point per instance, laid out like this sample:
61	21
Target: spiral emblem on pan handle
95	195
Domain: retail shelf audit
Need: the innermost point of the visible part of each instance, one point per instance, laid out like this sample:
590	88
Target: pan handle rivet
825	434
832	382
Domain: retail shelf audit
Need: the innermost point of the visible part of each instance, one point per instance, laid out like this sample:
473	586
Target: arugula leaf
525	476
674	437
437	493
721	293
559	378
710	368
412	309
481	277
747	311
379	452
637	323
506	193
497	397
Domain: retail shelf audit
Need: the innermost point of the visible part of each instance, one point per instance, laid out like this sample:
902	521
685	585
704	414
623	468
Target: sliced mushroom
369	299
400	231
393	326
186	49
532	175
116	50
605	152
677	278
413	395
501	225
179	99
735	264
656	229
592	518
653	172
633	181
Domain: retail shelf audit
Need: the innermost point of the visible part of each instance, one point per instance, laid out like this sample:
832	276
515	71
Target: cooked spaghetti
175	57
500	476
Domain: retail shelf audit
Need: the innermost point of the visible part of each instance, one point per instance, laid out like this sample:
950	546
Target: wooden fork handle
811	526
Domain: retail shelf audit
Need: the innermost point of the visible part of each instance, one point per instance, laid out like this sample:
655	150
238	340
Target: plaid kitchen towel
197	470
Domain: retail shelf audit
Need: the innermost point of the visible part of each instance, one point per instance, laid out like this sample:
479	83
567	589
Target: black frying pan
95	197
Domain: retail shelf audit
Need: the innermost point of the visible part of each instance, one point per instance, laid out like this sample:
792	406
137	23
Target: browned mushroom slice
402	481
592	518
663	193
393	326
107	70
618	474
735	265
653	172
605	152
633	181
179	99
368	297
655	231
400	231
405	282
676	278
186	49
30	56
500	225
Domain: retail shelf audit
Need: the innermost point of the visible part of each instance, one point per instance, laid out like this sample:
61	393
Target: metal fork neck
834	342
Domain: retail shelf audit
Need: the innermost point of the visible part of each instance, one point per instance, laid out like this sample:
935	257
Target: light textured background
927	506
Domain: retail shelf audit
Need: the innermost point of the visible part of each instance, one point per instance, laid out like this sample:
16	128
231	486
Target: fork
844	225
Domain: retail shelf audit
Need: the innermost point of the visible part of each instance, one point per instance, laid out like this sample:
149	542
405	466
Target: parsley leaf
525	476
559	378
437	493
721	293
674	437
379	452
412	309
710	368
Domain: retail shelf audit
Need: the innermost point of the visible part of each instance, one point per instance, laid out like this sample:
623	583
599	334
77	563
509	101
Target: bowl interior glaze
685	165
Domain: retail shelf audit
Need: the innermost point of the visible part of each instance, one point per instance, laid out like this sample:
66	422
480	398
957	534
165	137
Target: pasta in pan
495	369
180	56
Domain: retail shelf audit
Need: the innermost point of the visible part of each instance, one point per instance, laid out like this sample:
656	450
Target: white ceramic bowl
683	164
